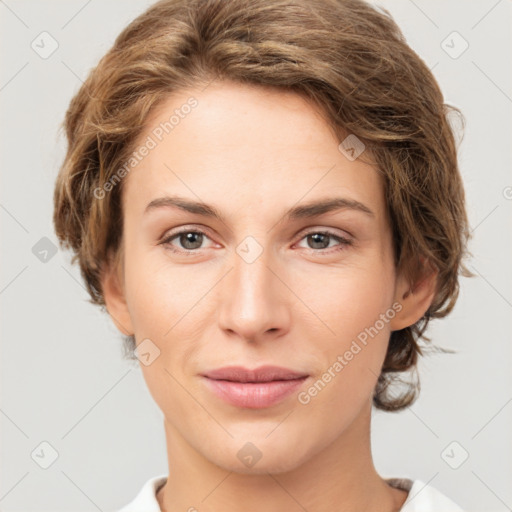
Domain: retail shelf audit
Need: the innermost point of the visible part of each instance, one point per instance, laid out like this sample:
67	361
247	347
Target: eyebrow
308	210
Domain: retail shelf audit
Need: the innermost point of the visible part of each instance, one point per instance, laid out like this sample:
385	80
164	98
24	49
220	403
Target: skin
253	153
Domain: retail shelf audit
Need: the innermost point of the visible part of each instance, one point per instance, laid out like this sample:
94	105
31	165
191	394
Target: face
315	296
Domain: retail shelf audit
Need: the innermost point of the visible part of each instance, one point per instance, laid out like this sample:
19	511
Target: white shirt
422	497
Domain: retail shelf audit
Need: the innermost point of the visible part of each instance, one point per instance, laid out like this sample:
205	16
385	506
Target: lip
254	389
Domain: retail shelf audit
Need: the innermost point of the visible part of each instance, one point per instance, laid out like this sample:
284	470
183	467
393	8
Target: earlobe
115	300
415	299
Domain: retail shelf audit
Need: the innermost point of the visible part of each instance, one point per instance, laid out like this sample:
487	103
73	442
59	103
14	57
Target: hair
347	57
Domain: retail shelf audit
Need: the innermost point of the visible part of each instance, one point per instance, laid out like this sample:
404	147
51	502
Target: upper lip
261	374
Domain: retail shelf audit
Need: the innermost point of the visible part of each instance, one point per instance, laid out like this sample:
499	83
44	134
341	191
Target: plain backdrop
64	381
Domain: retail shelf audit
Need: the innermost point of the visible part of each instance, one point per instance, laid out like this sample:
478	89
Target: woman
265	197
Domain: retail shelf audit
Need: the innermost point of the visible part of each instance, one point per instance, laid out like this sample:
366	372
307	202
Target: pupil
320	238
188	238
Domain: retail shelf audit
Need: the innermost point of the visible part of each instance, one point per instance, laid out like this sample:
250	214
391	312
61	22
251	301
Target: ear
414	298
112	284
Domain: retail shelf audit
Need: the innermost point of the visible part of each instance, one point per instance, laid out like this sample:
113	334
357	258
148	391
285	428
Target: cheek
357	307
161	304
160	295
350	299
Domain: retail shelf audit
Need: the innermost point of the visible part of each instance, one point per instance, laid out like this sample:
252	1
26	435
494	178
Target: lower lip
254	395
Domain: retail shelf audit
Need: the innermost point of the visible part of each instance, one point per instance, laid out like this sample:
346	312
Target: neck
339	477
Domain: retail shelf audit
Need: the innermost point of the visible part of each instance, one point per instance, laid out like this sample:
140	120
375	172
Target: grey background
63	377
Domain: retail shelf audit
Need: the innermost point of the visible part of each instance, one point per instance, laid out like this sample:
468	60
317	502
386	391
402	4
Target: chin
275	464
260	456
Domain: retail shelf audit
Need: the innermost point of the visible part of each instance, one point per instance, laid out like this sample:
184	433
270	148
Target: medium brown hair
347	57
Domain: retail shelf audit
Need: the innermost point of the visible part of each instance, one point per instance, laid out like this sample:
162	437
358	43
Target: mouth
253	389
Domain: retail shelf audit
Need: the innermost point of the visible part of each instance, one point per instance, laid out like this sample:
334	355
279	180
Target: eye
318	241
189	239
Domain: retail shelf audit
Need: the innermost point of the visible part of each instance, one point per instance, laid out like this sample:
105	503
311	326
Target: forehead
240	145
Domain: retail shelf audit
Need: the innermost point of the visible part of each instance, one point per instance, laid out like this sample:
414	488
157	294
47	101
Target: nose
254	301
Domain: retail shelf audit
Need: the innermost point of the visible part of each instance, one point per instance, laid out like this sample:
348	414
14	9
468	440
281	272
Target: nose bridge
251	299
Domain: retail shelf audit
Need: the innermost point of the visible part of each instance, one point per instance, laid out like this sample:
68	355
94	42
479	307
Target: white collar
422	497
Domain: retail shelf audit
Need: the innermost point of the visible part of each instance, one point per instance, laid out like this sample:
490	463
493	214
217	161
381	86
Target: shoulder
146	500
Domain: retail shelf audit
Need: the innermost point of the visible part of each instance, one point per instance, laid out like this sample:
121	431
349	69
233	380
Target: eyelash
344	242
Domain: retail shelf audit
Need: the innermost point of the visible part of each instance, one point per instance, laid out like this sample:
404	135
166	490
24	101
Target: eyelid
344	237
342	241
331	230
186	228
205	230
173	233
